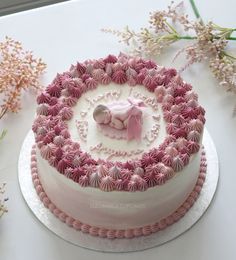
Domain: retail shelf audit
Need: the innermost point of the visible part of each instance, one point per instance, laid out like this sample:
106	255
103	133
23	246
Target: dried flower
19	70
166	27
3	208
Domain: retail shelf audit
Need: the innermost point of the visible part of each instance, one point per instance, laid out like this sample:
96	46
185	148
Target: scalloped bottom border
113	233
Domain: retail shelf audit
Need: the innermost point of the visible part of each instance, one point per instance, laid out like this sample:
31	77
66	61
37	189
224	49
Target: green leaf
2	135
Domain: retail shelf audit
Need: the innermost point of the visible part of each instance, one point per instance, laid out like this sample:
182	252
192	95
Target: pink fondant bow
134	124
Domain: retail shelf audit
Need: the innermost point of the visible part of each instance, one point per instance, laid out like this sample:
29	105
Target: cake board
118	245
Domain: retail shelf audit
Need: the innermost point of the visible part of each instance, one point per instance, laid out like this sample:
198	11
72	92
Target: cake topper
125	116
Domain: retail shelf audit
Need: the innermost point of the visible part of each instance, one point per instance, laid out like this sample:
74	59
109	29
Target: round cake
118	147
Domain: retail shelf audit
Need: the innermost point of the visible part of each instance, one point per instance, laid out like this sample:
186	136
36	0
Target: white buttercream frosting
118	209
104	95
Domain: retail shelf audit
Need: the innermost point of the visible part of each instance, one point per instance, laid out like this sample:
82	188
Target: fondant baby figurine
122	115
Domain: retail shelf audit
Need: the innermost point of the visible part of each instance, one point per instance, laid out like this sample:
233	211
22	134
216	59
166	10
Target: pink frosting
194	136
54	90
109	69
107	183
119	184
117	66
168	172
58	140
126	174
65	133
41	130
168	99
84	181
177	164
105	79
139	171
66	113
196	125
115	172
53	161
182	113
91	83
59	153
97	74
172	151
178	120
70	101
192	103
68	83
152	169
42	109
168	117
47	151
99	64
167	160
142	185
95	179
185	158
131	73
110	59
190	95
193	147
119	77
160	178
140	78
147	159
132	186
80	68
62	165
102	170
43	98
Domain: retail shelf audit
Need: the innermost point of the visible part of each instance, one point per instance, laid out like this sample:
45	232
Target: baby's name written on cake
151	135
100	148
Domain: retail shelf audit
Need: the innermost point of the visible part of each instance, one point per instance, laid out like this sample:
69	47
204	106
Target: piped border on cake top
182	113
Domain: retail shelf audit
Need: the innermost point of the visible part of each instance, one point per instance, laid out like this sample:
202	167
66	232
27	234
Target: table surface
64	33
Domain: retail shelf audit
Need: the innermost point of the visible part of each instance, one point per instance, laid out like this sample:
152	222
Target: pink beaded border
113	233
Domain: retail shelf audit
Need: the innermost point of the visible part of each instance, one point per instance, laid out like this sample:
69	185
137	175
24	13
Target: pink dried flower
19	70
210	41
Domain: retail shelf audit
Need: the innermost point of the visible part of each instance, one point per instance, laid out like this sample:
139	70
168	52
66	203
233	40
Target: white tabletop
64	33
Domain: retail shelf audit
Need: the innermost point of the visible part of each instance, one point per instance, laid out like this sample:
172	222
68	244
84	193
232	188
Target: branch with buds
19	71
166	27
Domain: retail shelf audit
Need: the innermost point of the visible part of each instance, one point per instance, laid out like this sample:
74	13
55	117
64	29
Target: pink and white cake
118	150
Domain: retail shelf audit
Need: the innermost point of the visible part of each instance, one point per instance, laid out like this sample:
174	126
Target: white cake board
118	245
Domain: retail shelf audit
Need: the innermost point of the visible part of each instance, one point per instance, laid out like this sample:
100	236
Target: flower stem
231	38
195	10
171	27
187	37
228	55
2	135
3	112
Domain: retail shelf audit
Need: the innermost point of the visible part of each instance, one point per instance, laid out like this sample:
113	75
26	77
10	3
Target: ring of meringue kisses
183	115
